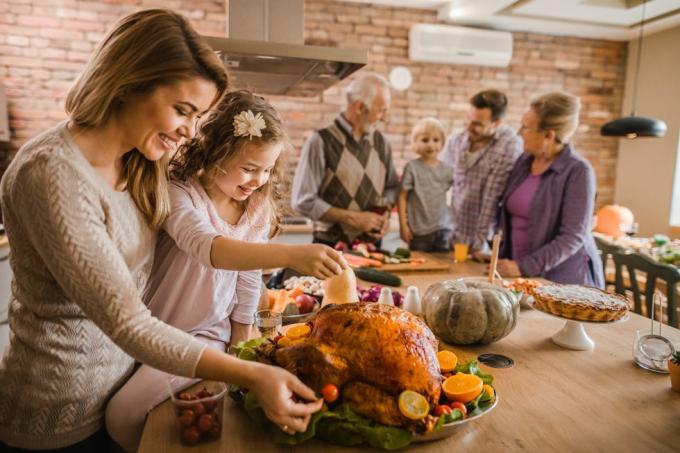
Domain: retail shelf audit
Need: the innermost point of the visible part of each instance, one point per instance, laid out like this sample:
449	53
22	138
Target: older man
345	179
482	157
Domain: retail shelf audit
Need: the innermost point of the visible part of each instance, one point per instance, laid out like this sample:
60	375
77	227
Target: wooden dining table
551	400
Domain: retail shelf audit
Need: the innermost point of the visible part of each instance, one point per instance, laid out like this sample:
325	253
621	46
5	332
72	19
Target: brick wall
45	43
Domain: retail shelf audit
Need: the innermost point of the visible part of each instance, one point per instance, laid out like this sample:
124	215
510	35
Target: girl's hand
508	268
275	389
405	233
317	260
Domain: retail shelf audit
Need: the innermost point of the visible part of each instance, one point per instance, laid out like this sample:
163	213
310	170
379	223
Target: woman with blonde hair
82	203
548	204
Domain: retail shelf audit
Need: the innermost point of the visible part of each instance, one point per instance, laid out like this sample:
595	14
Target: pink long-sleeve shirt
184	289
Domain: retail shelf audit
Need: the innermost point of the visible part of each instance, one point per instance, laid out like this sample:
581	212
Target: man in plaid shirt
482	157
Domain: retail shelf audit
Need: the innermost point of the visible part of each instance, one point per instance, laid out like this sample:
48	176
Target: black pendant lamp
635	126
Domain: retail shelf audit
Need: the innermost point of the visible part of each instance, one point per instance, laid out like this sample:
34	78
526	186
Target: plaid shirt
478	183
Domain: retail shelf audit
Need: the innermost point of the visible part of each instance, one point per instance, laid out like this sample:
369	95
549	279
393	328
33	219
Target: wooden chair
636	263
607	250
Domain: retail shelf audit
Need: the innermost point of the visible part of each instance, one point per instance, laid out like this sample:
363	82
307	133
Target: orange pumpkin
610	219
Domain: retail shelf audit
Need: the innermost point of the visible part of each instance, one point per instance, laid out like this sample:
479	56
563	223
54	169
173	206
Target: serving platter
450	429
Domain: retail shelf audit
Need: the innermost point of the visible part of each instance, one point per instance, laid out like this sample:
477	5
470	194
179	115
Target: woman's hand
508	269
482	257
405	233
275	389
317	260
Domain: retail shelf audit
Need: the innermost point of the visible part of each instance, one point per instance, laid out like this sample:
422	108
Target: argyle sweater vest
354	178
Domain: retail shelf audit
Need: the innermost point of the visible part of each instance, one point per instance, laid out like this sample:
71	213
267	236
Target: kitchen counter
307	227
552	399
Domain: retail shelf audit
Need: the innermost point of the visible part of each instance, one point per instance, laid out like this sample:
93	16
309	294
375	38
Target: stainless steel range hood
265	51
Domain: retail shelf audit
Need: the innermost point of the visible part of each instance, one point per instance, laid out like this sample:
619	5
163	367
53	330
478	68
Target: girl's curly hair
215	144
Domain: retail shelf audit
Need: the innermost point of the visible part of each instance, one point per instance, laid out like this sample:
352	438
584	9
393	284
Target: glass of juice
460	252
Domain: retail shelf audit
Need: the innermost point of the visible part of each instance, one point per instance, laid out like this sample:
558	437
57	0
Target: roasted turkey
372	352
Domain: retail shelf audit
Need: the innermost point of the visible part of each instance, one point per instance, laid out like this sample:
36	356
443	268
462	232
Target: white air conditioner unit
459	45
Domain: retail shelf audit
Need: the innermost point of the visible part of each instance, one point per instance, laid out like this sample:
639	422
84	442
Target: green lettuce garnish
472	367
340	426
245	350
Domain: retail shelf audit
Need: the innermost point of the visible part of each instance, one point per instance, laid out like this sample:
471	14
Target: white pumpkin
467	312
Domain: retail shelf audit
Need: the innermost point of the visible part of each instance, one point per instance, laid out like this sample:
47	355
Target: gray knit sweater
81	253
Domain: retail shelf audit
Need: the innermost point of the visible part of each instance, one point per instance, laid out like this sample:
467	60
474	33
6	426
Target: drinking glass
460	252
268	322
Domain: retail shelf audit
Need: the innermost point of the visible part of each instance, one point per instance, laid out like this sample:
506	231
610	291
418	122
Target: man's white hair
365	87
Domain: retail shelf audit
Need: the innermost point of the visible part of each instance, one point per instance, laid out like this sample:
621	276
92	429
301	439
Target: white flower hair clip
247	123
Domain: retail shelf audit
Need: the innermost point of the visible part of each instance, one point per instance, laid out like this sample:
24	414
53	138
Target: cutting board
431	263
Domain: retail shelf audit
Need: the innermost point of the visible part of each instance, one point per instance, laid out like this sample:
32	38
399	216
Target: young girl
424	218
224	190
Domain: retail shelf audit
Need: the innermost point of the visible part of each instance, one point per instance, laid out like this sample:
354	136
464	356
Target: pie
582	303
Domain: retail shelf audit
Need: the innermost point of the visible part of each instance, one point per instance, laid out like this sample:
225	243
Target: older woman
547	207
82	203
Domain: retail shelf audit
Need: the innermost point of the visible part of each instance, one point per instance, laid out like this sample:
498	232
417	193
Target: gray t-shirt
427	186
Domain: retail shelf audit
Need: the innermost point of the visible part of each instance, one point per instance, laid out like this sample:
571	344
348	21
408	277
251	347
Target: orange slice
462	387
413	405
299	331
489	390
447	361
284	342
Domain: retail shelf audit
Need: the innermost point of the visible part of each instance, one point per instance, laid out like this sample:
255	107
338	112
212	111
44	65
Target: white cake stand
573	334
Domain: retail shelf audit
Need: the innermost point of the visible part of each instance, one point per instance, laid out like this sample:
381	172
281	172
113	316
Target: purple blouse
519	206
560	243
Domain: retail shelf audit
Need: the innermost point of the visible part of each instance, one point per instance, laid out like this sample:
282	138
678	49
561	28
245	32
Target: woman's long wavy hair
143	51
216	144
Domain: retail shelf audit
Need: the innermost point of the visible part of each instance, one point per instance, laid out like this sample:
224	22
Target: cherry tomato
191	435
330	392
441	409
460	406
215	429
204	393
210	406
205	422
277	338
186	418
199	409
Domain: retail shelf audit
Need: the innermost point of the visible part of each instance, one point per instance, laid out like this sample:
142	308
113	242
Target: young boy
424	217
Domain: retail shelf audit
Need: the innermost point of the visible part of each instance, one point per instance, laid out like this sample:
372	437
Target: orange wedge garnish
447	361
284	342
462	387
489	391
299	331
413	405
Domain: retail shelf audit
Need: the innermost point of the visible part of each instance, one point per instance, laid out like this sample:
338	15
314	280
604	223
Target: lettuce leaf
472	367
340	426
245	350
